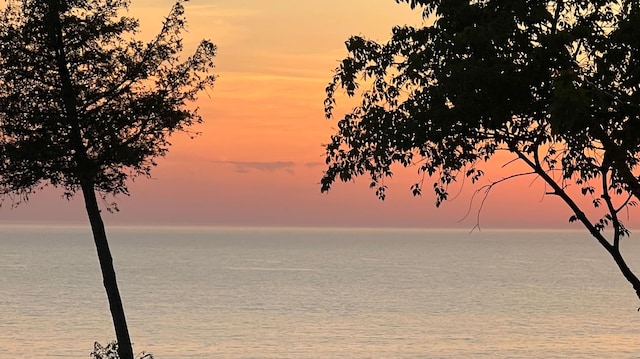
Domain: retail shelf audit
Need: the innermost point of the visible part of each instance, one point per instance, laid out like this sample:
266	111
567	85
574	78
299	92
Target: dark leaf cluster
554	83
110	351
493	75
81	100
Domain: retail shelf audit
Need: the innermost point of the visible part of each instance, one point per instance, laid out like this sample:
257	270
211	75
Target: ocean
319	293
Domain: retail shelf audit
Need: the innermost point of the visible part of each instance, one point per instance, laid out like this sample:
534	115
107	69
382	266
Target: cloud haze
264	166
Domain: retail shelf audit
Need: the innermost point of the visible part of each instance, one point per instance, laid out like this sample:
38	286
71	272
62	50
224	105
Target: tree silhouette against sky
84	106
554	83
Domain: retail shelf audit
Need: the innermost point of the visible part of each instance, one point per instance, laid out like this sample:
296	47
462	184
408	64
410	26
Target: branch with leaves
521	76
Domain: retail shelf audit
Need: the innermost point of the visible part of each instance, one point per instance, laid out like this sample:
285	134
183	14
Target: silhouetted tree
84	106
555	83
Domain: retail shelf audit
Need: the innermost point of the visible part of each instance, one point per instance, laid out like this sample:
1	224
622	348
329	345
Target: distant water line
318	293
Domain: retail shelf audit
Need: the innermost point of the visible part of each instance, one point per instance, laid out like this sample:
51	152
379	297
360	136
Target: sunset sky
260	156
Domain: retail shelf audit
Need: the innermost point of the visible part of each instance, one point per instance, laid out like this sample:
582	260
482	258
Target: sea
199	292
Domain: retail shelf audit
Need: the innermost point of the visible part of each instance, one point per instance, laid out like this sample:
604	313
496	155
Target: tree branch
560	192
610	207
613	250
487	189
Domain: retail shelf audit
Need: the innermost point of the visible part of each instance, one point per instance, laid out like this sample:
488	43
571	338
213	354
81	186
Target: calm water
291	293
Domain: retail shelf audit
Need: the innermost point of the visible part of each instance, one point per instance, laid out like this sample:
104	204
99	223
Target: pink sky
260	157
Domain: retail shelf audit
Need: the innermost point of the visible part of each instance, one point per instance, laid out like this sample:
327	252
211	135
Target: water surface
318	293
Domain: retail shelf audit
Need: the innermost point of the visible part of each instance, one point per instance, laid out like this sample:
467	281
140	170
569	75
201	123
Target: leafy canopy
83	101
555	83
490	75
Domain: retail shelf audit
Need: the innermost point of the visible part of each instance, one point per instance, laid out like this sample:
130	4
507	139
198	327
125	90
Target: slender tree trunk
125	351
626	271
612	249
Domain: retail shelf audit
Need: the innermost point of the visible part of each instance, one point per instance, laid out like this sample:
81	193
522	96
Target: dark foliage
82	100
110	351
84	106
555	83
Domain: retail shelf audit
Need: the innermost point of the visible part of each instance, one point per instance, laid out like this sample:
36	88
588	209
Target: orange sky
259	159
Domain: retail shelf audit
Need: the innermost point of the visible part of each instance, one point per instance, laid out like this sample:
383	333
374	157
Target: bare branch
487	189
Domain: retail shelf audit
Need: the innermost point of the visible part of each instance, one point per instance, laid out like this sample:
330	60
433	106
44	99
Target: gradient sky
260	156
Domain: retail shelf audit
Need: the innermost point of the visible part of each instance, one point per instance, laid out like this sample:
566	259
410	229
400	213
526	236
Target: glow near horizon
260	158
